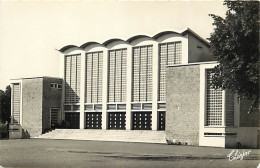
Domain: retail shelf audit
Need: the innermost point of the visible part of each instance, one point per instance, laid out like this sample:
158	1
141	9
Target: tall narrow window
229	108
169	54
142	73
72	78
117	76
214	102
16	103
94	71
54	116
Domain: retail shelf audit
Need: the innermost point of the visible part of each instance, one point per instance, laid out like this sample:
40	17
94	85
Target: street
72	153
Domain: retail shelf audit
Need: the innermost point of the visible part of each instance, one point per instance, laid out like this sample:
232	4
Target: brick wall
31	106
182	104
51	99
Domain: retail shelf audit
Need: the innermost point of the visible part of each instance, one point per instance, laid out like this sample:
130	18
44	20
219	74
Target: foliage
5	104
235	45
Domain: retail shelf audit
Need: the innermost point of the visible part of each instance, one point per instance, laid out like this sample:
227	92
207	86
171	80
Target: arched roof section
87	44
68	47
111	41
164	33
136	37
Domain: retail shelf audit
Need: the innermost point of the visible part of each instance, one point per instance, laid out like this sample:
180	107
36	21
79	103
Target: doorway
54	117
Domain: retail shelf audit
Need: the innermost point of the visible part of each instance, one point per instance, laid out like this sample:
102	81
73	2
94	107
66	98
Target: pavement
46	153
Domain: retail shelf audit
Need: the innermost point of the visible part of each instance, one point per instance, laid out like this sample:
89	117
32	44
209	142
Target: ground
71	153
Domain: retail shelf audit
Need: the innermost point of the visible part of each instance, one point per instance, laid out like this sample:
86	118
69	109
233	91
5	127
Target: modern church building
158	84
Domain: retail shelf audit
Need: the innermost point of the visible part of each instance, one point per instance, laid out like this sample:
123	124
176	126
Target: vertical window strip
100	77
124	75
139	76
214	102
117	78
142	73
94	77
88	77
67	79
169	54
146	74
149	74
135	74
229	108
16	103
94	68
162	71
120	82
72	78
111	84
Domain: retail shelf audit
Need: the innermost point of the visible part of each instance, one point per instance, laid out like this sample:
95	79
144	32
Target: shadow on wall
71	95
25	134
3	131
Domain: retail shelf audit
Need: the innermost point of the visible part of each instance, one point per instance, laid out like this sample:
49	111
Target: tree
5	104
235	45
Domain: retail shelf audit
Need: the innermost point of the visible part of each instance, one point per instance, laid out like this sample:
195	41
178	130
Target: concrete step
107	135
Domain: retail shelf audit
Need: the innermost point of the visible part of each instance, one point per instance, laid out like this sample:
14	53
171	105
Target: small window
147	106
76	107
136	106
98	107
67	107
52	85
59	86
56	86
89	107
161	105
121	106
111	106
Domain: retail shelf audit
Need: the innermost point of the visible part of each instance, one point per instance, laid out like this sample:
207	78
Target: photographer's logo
237	155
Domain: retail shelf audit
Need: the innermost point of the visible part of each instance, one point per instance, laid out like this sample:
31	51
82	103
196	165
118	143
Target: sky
32	31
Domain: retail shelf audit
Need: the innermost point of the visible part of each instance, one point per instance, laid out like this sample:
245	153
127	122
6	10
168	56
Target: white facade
220	116
121	84
123	80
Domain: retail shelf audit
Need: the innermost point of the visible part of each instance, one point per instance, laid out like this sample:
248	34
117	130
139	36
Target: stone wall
32	106
182	104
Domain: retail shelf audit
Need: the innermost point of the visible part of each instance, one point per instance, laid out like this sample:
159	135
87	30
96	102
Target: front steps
143	136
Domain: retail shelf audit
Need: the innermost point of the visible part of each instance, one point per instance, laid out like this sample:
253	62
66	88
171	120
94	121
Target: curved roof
87	44
67	47
184	32
136	37
112	40
163	33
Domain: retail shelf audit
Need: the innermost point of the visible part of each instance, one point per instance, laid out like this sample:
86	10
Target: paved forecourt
72	153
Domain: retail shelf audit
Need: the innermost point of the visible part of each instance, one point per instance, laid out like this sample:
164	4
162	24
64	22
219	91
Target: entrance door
72	120
161	118
94	120
54	117
142	120
116	120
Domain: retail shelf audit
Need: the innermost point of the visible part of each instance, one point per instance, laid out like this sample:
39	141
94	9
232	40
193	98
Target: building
34	102
158	83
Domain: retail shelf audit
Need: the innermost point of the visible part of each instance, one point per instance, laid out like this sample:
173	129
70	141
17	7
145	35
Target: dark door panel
94	120
142	120
72	120
116	120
